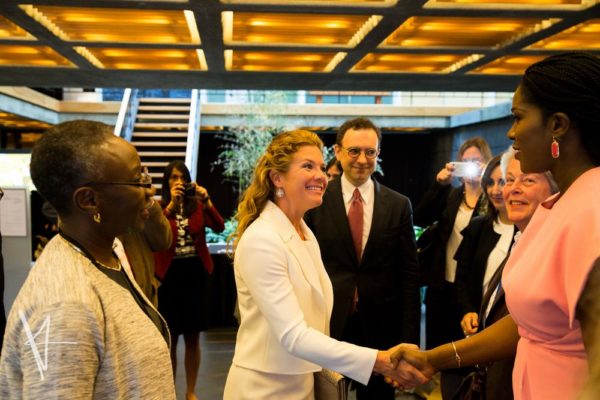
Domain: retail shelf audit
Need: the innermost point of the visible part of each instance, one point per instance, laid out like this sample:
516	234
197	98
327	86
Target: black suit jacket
498	380
441	203
387	276
479	239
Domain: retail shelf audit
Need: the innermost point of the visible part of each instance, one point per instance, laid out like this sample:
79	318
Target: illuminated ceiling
15	123
420	45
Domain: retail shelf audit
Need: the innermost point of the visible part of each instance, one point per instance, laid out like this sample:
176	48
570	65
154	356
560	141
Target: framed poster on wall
13	213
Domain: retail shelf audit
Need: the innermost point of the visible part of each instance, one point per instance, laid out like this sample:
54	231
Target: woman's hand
399	374
201	192
412	367
444	177
470	324
177	193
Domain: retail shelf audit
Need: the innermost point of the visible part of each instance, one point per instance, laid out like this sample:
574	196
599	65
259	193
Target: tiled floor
217	352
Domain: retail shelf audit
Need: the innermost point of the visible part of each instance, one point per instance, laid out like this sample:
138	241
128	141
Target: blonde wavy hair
277	157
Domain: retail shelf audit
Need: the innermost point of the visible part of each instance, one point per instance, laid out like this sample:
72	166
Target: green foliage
214	237
244	144
328	153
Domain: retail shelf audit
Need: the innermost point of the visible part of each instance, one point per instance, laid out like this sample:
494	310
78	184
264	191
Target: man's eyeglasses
145	181
354	152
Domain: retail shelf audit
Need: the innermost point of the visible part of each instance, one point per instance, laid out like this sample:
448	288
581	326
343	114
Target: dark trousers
443	326
376	389
442	316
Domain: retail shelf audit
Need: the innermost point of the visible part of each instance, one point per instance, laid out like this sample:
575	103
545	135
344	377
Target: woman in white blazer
284	293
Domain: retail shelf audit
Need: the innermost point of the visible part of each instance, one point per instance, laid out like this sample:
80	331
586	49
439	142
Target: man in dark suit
370	254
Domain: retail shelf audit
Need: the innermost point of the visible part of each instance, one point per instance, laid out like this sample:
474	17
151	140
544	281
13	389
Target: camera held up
189	190
466	169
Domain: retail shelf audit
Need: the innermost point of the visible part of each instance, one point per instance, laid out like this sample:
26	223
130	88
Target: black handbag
472	387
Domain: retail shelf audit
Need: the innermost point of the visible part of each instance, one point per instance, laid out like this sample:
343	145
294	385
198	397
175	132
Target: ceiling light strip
508	5
85	53
228	55
191	24
369	24
335	61
460	64
227	21
351	3
202	59
39	17
544	24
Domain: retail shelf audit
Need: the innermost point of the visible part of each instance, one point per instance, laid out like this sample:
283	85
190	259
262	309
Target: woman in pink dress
550	274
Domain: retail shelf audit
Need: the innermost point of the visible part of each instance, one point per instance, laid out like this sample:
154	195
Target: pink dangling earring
554	148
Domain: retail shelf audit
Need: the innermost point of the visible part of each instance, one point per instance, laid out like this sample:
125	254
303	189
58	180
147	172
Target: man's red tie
355	219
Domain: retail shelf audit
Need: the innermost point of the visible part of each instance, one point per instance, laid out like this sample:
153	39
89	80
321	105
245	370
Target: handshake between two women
404	366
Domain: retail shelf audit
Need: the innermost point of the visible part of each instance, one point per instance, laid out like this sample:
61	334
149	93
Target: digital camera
189	190
466	169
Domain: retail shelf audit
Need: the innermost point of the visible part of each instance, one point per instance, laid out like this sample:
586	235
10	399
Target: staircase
160	134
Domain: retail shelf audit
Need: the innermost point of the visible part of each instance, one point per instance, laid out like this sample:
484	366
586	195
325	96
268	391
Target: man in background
367	242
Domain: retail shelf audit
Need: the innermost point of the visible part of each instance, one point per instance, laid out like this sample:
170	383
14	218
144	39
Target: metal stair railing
193	135
127	114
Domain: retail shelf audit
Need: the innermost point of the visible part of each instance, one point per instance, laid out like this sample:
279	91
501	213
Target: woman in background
184	268
452	209
486	242
333	169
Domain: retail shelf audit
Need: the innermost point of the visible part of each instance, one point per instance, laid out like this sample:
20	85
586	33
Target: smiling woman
284	293
80	326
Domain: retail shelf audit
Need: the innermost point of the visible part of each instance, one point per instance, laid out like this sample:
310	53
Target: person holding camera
449	210
184	268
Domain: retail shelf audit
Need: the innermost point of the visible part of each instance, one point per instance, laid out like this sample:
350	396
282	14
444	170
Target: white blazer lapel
294	244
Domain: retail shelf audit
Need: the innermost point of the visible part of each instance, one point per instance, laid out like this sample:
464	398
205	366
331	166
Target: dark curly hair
66	157
568	83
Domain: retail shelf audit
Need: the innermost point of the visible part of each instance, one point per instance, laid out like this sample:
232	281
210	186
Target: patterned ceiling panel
136	58
115	25
10	30
296	29
509	65
407	63
459	32
585	36
31	56
280	61
355	45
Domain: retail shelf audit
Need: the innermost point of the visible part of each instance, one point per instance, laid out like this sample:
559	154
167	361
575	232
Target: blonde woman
285	296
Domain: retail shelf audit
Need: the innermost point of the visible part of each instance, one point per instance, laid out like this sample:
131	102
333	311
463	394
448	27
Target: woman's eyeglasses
145	181
354	152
